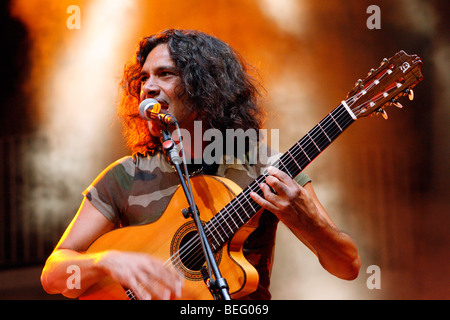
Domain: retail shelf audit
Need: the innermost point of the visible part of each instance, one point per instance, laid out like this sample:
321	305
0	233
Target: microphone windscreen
147	105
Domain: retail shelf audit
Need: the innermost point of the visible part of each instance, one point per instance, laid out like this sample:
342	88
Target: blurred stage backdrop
383	182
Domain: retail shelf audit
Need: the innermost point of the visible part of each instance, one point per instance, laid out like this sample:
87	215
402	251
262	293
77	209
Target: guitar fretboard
241	209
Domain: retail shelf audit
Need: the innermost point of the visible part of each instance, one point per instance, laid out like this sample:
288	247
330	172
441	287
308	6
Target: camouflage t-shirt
136	190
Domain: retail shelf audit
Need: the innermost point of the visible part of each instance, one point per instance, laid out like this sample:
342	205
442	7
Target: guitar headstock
395	77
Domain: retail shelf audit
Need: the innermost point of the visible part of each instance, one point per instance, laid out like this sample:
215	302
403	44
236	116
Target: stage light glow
288	14
76	73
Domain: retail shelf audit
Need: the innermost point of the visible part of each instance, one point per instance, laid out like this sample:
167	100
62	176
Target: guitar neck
241	209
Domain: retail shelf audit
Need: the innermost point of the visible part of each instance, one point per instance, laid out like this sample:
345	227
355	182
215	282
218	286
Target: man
195	77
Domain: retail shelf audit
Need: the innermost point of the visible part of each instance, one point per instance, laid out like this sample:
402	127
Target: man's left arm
301	211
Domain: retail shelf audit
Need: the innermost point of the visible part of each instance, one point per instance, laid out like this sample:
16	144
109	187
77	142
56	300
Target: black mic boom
150	109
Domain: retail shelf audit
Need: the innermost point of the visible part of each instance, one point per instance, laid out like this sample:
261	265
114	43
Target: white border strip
348	109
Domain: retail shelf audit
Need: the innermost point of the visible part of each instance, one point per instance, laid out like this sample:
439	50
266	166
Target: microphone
150	109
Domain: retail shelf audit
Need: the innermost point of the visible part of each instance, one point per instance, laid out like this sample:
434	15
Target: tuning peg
383	113
410	94
395	103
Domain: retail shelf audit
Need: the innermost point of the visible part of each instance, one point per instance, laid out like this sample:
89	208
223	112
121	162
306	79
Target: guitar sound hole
187	254
192	258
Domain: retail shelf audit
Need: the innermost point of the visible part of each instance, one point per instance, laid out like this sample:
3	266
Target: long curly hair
214	79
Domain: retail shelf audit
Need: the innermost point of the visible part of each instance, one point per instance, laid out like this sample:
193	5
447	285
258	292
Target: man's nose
150	88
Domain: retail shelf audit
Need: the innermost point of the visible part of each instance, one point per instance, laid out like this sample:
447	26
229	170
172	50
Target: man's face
160	80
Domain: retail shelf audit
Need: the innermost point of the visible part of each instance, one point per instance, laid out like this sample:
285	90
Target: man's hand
145	275
300	210
291	203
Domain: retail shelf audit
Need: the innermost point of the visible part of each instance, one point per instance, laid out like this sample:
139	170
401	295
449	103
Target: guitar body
163	238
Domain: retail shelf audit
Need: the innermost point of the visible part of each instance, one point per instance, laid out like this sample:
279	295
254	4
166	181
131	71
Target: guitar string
195	241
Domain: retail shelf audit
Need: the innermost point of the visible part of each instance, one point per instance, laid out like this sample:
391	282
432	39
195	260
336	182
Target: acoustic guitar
229	214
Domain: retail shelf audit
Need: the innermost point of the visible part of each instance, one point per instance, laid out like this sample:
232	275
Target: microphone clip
169	148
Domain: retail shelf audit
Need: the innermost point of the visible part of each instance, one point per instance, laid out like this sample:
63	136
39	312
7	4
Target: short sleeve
110	190
302	179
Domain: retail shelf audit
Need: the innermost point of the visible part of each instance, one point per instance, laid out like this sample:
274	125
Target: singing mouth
164	105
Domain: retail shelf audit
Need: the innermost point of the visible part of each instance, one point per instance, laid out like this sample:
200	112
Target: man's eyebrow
167	67
160	69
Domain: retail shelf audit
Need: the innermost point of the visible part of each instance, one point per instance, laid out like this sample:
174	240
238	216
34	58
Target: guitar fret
335	122
226	223
287	171
324	132
254	211
258	191
303	151
225	233
298	166
313	142
320	139
212	234
231	218
345	119
223	238
130	294
309	147
237	200
237	213
330	128
218	232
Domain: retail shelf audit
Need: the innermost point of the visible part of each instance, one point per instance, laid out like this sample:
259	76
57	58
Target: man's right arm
137	271
87	225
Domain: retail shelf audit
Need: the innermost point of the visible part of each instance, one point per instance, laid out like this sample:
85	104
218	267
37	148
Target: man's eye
144	79
169	73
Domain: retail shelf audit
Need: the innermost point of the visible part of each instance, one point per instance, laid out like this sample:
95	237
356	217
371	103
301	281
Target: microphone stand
218	285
